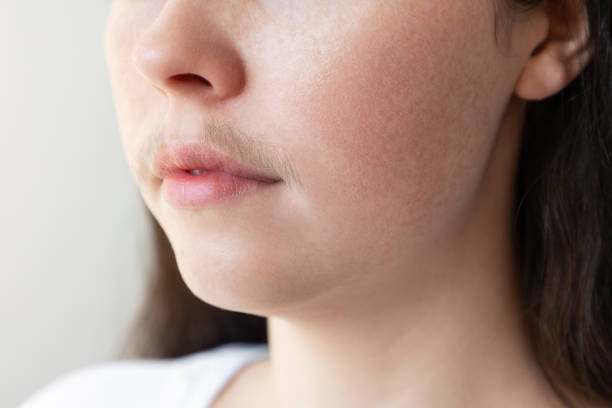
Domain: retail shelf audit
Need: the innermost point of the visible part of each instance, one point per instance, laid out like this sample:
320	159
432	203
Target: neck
446	331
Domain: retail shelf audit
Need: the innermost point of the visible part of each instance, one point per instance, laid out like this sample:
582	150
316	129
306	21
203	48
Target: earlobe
560	58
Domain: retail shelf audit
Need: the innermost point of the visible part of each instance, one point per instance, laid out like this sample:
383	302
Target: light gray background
73	235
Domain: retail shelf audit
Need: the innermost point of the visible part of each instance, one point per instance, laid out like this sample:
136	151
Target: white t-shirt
192	381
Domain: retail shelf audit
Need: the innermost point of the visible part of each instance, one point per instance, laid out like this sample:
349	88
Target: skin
385	263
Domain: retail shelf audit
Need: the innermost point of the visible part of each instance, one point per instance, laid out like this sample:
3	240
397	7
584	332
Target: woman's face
387	110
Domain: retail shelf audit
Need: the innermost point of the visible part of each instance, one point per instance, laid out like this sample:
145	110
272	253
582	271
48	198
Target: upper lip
182	157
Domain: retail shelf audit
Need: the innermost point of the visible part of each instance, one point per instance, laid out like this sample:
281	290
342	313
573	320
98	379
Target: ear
561	56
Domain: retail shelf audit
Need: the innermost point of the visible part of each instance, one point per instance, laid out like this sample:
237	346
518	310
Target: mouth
197	159
195	176
199	172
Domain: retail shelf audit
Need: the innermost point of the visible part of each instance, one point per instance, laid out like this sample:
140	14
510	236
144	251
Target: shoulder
101	385
144	382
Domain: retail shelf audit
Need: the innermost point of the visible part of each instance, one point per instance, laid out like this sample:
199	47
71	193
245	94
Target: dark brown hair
563	235
563	221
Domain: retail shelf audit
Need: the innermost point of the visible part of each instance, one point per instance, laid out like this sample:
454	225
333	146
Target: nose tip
188	63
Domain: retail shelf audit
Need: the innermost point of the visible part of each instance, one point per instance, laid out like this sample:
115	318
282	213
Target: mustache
223	137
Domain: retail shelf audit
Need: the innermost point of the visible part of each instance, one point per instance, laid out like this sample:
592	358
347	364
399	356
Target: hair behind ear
563	221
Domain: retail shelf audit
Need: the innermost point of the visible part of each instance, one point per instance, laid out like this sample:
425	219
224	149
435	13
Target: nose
184	54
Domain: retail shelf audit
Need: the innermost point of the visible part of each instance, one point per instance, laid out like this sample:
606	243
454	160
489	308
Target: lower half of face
388	112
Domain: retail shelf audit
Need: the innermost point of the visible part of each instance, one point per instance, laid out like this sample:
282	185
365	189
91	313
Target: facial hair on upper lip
271	159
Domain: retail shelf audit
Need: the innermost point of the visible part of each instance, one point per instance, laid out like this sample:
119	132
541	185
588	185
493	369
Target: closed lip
183	157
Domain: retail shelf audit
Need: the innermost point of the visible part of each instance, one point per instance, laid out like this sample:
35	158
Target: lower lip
186	190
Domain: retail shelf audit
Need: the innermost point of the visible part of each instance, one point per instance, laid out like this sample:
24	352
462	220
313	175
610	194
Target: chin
241	279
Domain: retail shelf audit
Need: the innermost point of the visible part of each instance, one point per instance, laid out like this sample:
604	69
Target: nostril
191	78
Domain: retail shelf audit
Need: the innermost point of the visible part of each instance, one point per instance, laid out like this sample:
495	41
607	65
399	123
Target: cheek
393	120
